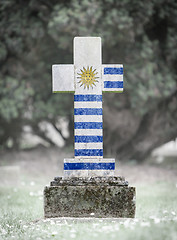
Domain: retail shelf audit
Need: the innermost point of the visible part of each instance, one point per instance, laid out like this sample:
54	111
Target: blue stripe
113	84
88	111
88	98
88	125
89	166
88	139
88	152
109	70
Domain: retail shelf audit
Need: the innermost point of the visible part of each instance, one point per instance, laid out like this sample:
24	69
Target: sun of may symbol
87	77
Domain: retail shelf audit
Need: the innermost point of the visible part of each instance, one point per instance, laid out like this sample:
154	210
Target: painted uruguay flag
88	126
112	76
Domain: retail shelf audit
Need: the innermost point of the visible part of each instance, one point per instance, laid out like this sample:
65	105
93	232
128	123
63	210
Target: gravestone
89	186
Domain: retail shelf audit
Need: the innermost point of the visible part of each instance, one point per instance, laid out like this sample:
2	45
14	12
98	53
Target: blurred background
140	124
140	34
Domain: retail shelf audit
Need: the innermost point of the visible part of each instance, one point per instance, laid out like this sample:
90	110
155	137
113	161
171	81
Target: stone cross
87	78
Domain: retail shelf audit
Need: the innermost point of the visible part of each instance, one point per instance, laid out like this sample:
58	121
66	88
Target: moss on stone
80	201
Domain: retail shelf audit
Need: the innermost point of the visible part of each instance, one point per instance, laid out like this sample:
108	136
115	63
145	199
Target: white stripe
87	104
113	89
112	66
88	118
87	159
88	145
112	77
88	173
92	132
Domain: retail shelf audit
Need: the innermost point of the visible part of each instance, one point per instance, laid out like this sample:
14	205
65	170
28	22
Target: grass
21	216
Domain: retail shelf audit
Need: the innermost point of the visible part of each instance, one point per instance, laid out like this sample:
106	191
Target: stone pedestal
89	197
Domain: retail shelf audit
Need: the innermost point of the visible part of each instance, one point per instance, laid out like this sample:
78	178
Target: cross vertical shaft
88	98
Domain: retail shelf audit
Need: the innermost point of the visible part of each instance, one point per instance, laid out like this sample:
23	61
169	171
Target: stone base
90	197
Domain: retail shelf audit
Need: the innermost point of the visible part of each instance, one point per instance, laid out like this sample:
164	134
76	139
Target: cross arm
63	78
112	76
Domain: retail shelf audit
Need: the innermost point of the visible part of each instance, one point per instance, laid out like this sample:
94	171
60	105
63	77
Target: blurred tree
140	34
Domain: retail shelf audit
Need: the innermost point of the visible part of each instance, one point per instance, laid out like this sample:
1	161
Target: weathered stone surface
60	72
82	198
106	181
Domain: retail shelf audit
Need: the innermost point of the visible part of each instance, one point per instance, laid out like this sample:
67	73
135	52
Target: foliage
35	34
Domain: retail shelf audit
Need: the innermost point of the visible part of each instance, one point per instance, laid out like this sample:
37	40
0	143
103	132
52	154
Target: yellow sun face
87	77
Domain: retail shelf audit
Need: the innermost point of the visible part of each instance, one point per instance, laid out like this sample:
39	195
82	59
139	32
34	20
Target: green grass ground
21	212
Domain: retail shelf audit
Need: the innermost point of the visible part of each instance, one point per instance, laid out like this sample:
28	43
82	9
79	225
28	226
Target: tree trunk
135	137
